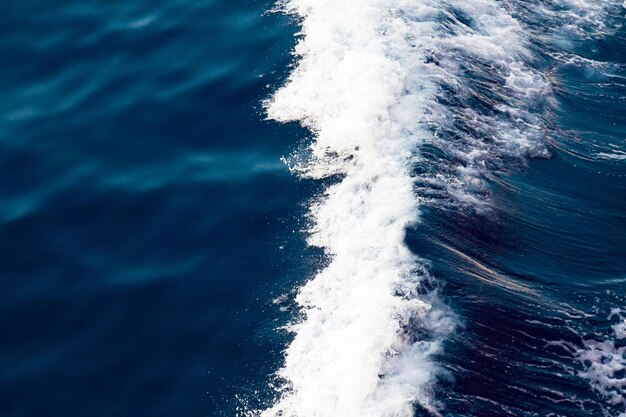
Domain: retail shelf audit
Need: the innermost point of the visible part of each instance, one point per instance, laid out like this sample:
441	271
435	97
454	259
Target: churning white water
375	81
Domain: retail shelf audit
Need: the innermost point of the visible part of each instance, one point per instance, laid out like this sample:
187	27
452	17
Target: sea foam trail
602	358
375	81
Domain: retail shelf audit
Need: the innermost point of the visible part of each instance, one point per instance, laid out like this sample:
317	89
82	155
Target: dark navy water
152	240
146	219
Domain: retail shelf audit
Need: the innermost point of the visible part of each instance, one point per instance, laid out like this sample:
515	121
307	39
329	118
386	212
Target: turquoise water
447	195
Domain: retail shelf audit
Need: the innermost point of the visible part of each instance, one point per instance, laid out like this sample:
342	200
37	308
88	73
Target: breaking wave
410	104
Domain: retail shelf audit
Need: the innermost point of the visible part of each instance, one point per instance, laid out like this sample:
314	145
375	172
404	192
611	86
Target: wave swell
410	104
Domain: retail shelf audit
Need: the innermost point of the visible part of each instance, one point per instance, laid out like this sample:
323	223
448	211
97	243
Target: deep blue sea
370	208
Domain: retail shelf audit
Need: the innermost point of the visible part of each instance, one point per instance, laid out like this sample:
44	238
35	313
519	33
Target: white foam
616	156
579	19
376	81
349	356
370	83
602	360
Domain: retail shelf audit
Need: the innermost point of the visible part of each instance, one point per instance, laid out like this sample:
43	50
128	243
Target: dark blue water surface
560	232
147	222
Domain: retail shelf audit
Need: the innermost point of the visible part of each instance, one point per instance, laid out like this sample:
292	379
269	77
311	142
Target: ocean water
374	208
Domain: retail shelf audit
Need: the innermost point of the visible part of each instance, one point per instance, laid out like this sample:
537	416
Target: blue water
152	241
143	206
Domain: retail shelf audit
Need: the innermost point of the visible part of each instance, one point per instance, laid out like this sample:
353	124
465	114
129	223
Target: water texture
374	208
